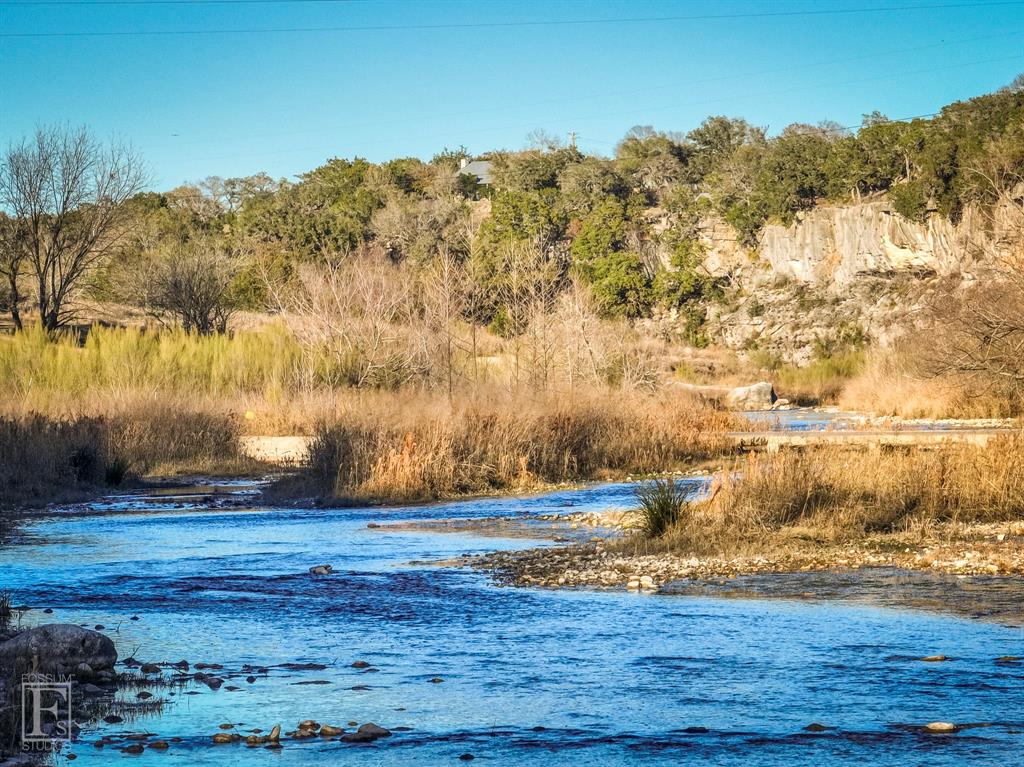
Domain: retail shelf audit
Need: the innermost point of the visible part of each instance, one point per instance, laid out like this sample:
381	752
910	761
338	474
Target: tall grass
428	449
662	502
887	386
124	359
44	459
834	494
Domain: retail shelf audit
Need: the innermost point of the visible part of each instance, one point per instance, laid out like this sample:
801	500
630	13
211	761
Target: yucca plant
661	504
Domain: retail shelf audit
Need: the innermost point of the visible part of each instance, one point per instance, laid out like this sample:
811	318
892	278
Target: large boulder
60	648
759	396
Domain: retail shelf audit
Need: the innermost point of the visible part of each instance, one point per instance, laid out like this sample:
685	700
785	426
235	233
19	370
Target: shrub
661	504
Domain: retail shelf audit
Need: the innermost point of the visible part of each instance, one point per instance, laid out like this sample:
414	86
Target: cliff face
838	245
834	247
836	272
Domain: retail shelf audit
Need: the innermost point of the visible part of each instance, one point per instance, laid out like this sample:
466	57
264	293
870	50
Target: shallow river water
530	677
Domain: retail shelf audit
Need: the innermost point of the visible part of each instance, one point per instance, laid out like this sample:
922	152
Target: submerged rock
940	727
321	570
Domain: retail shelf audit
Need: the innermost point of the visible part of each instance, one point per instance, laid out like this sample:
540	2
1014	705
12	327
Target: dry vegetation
43	458
131	401
805	499
428	449
896	382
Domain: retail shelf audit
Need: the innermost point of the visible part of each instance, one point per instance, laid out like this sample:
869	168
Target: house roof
479	168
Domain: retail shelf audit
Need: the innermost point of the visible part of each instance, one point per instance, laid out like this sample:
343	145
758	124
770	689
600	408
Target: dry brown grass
44	459
832	494
425	448
887	385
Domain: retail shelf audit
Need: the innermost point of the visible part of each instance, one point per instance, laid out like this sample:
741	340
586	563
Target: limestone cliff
838	271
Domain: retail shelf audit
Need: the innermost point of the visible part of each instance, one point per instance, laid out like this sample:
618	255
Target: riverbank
955	510
989	549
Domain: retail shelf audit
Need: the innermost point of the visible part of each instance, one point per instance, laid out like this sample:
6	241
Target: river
528	676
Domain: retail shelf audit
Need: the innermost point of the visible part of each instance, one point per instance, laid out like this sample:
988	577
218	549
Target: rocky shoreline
611	561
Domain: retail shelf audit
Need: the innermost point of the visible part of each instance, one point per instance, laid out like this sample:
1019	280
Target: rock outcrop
839	275
60	648
759	396
834	246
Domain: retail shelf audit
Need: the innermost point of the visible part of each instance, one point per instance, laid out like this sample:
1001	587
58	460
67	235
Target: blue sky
411	81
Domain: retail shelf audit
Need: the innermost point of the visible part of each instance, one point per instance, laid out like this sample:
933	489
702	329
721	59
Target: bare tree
526	293
12	263
447	288
357	312
188	282
68	192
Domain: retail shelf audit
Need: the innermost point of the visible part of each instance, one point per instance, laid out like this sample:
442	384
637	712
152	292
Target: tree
716	139
67	193
353	318
979	333
12	260
191	283
447	287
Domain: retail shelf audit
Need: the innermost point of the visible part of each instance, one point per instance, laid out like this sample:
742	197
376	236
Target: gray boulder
759	396
60	648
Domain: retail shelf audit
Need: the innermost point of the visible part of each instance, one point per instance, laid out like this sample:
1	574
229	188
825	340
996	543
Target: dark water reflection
530	677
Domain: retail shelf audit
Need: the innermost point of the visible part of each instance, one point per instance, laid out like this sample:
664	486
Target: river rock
940	727
374	730
329	731
321	570
60	648
357	737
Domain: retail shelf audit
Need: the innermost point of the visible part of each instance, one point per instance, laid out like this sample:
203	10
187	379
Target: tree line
76	221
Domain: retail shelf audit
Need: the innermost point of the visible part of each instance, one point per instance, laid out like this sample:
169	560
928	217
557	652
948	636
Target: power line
520	106
576	119
515	24
43	3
